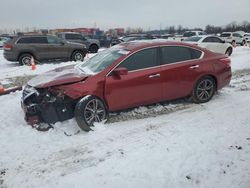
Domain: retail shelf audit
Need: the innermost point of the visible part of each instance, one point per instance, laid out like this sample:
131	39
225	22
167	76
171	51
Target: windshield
102	60
193	39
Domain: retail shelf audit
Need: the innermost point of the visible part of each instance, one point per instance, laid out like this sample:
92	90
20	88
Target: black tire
25	59
243	43
89	110
204	90
229	51
77	56
93	48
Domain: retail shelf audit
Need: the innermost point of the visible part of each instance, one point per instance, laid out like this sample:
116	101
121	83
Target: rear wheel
233	43
25	59
89	110
243	43
229	51
204	90
93	48
78	56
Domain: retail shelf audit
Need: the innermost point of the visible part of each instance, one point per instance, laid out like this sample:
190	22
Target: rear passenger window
32	40
208	39
141	60
173	54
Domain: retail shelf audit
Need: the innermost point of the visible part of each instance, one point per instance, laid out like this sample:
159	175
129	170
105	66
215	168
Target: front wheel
204	90
89	110
78	56
229	51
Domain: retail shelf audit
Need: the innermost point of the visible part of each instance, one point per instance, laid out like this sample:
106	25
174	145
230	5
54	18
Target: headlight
28	91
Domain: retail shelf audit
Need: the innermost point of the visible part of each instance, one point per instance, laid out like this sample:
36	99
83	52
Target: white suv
247	37
188	34
233	38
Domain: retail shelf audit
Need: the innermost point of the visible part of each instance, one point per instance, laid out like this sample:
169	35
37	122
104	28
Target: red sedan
124	76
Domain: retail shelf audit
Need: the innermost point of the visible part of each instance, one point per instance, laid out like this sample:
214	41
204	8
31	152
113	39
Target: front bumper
50	111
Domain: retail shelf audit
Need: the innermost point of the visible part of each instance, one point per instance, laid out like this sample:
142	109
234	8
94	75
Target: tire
93	48
229	51
78	56
243	43
89	110
25	59
204	90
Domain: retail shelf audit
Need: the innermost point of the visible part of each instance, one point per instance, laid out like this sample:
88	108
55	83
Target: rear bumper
225	78
9	56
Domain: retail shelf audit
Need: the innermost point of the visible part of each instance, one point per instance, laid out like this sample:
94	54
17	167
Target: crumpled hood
59	76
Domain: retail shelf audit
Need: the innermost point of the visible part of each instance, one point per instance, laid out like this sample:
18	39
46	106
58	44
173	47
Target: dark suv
92	44
42	48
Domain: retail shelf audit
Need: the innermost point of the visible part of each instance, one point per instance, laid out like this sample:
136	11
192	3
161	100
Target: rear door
142	85
181	67
35	44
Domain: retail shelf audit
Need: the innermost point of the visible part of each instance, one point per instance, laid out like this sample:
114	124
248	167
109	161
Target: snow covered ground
190	145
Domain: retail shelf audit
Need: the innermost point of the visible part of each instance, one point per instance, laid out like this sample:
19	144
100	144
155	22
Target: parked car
42	48
188	34
125	76
2	41
92	44
233	38
247	37
212	43
132	37
105	41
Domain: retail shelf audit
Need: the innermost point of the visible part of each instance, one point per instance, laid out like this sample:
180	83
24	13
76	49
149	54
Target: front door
57	49
142	85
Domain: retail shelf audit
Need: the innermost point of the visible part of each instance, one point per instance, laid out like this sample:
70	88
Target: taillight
226	61
7	47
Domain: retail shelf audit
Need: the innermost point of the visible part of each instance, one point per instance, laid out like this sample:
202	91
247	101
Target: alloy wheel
94	111
205	90
26	60
78	56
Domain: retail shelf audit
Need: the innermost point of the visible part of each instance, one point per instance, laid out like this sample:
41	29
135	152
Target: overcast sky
148	14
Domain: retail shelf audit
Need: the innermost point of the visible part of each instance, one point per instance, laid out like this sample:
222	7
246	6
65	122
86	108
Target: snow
12	69
190	145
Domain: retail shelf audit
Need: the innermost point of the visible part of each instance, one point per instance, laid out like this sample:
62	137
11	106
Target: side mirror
62	42
120	71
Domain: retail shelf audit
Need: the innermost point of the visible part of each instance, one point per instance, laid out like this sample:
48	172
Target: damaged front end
46	105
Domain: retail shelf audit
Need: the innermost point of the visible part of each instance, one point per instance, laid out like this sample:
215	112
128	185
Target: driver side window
140	60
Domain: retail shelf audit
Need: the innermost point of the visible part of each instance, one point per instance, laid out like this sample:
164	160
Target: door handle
154	75
194	66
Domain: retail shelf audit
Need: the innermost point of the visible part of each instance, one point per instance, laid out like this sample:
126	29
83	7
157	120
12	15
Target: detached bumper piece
43	108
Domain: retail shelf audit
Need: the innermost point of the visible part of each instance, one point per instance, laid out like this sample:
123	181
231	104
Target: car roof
140	44
70	32
21	36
